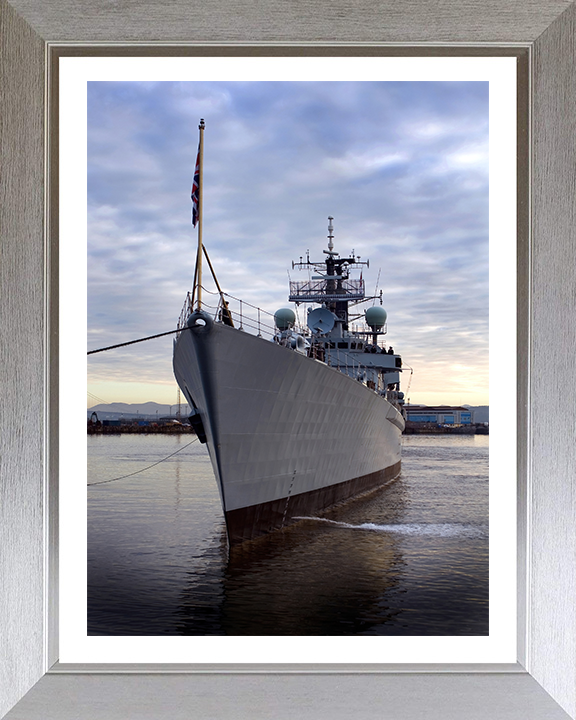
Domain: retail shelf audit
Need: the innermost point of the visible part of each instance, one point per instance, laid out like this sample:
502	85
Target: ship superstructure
338	336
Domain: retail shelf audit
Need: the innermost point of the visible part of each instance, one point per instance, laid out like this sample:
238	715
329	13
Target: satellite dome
376	317
284	318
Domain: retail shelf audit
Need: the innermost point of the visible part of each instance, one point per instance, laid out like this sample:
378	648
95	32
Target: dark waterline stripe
252	522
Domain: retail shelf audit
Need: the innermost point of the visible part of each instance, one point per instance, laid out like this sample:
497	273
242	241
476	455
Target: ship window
342	344
353	346
332	345
398	362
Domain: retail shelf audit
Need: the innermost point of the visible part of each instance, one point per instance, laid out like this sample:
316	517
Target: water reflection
409	559
312	578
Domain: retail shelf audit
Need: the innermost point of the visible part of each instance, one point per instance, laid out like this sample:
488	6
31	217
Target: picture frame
32	683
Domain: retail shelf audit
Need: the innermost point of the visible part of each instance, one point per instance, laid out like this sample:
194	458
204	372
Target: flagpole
200	214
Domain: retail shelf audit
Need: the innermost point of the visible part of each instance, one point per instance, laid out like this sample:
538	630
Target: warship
296	416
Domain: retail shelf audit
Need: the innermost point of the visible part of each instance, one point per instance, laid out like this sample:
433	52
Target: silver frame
543	682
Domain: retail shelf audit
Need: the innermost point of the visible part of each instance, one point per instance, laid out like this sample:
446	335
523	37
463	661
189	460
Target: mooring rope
102	482
132	342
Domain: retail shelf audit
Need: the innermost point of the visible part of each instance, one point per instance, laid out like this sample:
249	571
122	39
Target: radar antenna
321	320
330	234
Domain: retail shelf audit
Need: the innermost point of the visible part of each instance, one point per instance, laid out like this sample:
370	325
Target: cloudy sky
402	167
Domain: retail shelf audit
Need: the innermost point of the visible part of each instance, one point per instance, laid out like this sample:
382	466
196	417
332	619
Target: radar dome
284	318
376	317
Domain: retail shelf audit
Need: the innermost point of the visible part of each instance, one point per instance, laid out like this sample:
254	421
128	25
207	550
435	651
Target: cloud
403	168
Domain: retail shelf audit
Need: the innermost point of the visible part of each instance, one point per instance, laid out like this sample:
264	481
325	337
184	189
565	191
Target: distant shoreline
173	429
129	429
476	429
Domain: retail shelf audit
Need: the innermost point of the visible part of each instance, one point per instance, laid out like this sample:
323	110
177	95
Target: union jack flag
195	195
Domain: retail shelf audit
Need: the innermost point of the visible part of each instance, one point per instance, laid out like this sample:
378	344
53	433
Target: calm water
410	559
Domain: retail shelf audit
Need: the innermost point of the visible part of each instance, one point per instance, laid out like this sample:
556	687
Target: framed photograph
540	684
405	139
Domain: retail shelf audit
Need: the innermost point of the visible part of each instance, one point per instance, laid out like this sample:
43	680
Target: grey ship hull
287	435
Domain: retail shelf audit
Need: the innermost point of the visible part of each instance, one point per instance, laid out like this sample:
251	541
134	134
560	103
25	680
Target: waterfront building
439	414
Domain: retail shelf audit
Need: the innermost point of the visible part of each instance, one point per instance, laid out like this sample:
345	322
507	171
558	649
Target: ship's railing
347	364
186	310
259	322
319	290
244	315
